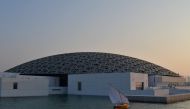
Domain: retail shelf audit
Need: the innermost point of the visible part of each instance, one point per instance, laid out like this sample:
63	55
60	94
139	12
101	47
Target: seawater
78	102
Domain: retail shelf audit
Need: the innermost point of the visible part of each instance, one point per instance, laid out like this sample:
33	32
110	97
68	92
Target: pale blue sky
157	31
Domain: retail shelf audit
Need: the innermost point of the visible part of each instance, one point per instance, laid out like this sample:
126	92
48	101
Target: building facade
15	85
99	84
90	73
130	83
158	80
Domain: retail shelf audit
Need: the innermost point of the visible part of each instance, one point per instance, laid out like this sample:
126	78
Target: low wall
147	99
179	91
161	92
157	99
148	92
178	98
140	92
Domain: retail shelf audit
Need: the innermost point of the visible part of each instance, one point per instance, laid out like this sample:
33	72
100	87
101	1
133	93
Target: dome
89	62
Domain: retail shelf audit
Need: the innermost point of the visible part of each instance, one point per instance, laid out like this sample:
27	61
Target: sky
154	30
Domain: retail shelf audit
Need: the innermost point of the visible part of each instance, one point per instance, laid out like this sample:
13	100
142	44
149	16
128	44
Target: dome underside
89	62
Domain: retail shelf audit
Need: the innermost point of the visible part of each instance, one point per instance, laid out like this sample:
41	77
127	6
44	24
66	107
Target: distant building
188	78
91	73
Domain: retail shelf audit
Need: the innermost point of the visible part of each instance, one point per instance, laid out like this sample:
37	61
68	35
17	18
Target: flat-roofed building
15	85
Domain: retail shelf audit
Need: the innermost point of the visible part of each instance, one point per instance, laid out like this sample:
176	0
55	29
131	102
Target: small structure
15	85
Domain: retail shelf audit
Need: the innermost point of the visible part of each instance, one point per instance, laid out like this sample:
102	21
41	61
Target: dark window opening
139	85
79	86
15	85
63	81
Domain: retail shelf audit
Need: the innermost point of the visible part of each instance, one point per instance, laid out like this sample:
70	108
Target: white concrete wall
27	86
157	81
161	92
138	77
174	91
153	80
98	84
173	79
53	81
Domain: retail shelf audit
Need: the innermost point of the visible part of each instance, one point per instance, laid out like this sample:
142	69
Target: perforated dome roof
89	62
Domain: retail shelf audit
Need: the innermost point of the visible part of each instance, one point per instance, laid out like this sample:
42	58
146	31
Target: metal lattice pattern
89	62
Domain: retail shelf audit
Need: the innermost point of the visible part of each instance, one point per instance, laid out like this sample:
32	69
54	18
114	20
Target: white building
159	81
188	79
99	84
15	85
90	73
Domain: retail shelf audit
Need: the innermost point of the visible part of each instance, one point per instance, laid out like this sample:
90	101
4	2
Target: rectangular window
139	85
79	86
15	85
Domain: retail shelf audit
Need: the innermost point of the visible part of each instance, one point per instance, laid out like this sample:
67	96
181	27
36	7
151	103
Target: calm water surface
78	102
